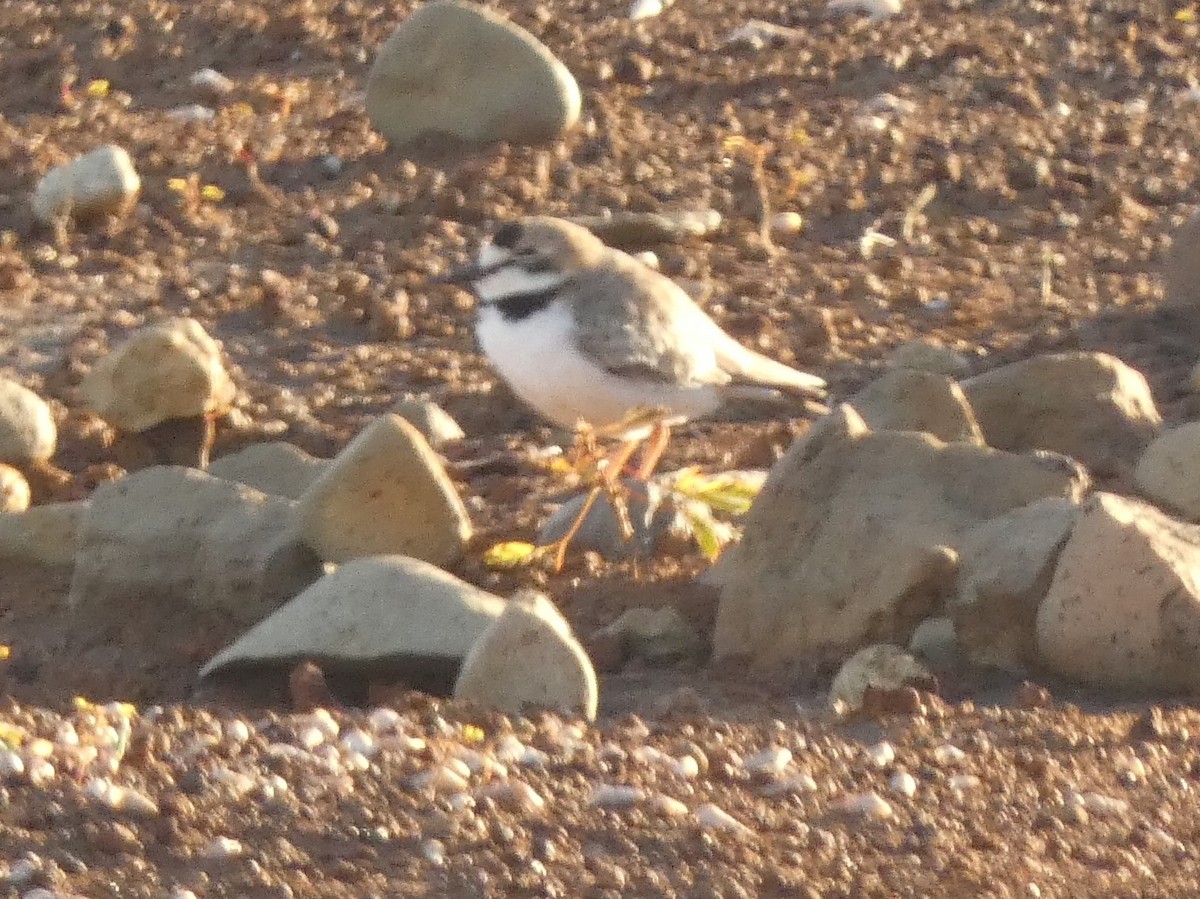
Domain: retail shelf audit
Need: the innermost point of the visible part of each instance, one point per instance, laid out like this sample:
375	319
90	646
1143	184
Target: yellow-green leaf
510	554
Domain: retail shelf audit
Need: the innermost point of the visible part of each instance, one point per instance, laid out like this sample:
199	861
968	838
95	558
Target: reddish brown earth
1061	141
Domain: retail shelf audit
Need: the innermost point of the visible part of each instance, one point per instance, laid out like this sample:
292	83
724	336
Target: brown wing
632	321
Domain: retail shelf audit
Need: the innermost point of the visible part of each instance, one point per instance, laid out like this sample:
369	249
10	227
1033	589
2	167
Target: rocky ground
1059	141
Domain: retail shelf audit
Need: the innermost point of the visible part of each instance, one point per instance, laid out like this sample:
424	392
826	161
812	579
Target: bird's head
530	254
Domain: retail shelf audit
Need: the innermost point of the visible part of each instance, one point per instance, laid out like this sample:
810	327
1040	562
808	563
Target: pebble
961	783
12	766
787	223
687	767
866	805
881	754
192	112
646	9
222	848
434	851
712	817
770	763
212	81
666	805
102	182
948	754
904	783
442	779
24	870
616	796
801	783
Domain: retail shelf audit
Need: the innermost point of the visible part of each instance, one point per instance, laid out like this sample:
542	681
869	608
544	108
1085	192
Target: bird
587	334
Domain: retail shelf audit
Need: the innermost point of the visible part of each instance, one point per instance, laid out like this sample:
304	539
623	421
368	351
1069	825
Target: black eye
508	235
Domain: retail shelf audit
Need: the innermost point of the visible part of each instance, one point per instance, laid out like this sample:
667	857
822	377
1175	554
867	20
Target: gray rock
386	493
277	468
172	369
456	69
27	429
380	609
1005	569
171	536
1169	471
1181	270
653	517
854	538
529	659
1090	406
1123	609
656	635
102	182
906	399
44	534
434	423
923	355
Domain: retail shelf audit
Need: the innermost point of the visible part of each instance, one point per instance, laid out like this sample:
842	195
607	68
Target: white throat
515	281
510	280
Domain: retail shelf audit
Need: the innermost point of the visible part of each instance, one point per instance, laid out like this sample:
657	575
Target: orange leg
652	452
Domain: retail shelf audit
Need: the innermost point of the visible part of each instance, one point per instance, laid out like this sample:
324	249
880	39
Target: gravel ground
1060	140
434	801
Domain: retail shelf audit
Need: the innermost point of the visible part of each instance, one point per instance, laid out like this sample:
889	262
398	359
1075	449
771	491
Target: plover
587	334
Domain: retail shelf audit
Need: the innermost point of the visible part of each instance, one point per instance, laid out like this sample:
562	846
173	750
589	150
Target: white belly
538	358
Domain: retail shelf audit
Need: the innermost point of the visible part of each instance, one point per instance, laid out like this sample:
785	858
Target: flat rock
172	369
14	490
172	535
434	422
458	70
380	609
529	659
1123	610
906	399
102	182
1005	569
854	537
924	355
656	635
883	666
1168	472
1090	406
386	493
1181	270
278	468
45	534
27	429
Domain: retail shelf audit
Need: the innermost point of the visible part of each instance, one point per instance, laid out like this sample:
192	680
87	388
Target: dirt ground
1060	140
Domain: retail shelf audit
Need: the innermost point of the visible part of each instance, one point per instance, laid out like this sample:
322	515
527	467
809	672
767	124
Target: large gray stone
854	538
168	536
1169	471
380	609
172	369
907	399
456	69
44	534
1090	406
277	468
1123	609
1005	568
529	659
386	493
